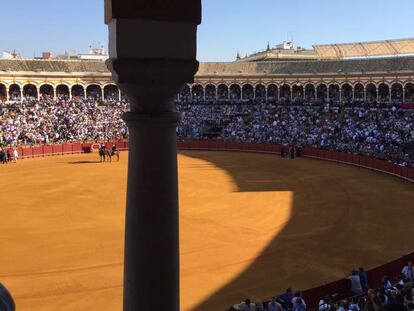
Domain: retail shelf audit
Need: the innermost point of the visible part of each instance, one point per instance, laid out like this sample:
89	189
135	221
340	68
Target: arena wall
340	157
405	173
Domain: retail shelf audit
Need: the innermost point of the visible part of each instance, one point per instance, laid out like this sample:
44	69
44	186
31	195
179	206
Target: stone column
389	94
327	93
278	94
152	49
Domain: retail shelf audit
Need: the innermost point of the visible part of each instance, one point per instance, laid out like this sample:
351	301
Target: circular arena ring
251	225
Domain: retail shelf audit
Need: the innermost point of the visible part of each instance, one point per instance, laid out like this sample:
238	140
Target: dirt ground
251	225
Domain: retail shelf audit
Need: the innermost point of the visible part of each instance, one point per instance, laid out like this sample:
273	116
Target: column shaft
151	275
389	95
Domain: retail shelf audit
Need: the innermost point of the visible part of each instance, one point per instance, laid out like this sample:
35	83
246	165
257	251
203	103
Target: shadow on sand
334	224
85	162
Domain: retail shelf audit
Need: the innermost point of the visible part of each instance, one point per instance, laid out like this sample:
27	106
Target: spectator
373	303
285	299
386	284
408	270
324	304
354	305
248	306
356	287
275	306
15	155
364	278
297	298
300	304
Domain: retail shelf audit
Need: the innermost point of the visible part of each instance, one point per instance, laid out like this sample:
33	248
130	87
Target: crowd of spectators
46	122
383	133
389	296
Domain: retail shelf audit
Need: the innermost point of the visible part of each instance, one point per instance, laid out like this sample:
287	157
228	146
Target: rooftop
367	65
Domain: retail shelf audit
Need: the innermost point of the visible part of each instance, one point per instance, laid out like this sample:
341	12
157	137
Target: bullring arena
251	225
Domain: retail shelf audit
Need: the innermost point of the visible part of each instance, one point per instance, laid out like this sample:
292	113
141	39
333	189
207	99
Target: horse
113	153
105	153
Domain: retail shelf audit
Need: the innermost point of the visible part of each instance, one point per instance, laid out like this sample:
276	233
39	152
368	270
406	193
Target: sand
251	225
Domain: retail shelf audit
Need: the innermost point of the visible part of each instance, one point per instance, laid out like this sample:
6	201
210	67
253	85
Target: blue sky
228	26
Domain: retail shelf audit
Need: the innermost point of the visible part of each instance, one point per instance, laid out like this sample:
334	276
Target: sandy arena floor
251	225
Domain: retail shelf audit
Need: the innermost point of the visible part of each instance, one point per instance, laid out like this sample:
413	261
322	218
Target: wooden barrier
335	156
61	149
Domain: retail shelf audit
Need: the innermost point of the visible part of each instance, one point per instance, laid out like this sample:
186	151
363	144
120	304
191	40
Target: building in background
372	49
9	55
94	54
371	72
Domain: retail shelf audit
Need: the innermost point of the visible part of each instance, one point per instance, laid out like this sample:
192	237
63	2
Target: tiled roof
274	67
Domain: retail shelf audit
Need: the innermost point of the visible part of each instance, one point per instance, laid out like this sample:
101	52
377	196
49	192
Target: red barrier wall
51	150
342	157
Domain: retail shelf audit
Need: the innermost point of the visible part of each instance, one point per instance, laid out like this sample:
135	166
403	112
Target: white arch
51	85
36	87
101	95
407	82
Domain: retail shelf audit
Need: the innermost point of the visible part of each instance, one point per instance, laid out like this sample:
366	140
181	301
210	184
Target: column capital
151	60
